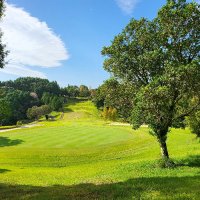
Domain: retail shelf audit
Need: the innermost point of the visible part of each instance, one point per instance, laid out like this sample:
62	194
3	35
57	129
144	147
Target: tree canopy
30	84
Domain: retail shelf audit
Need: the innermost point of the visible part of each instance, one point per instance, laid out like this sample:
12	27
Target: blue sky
65	37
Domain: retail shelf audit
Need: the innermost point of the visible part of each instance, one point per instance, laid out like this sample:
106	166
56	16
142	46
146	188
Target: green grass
83	157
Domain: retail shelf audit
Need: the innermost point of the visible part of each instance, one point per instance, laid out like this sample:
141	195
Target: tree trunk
164	151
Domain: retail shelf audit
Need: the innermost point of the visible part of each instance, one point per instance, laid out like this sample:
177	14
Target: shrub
19	123
109	113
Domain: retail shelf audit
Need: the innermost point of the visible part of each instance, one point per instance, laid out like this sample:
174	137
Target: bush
19	123
109	113
36	112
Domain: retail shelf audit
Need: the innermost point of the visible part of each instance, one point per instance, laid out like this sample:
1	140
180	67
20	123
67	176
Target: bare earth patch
124	124
24	126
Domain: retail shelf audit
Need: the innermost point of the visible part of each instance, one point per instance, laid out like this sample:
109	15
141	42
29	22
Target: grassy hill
80	156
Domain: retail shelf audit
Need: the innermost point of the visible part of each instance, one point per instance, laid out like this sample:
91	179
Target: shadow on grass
191	161
4	170
5	141
138	188
73	101
68	110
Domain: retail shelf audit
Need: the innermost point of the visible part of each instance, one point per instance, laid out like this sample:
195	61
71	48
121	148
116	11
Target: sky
62	39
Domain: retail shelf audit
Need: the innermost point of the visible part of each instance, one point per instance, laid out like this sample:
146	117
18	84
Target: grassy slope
82	157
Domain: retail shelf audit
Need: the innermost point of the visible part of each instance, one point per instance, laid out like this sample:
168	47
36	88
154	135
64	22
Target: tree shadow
191	161
138	188
5	141
4	170
67	110
73	101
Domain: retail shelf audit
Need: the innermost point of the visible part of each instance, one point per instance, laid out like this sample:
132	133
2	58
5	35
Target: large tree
161	59
3	52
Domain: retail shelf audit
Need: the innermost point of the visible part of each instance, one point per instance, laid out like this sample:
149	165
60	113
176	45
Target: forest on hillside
24	99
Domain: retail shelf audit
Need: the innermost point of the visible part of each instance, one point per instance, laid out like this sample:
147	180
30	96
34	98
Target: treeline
23	98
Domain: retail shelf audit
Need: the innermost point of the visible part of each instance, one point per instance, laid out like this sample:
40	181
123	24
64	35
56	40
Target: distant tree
56	103
5	110
64	92
99	98
161	59
37	85
53	88
32	113
45	109
93	93
3	52
26	92
73	90
84	91
19	102
36	112
46	98
115	95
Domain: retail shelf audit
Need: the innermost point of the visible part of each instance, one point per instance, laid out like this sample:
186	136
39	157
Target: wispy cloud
31	43
127	6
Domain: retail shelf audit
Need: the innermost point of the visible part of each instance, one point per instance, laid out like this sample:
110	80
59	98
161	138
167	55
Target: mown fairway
81	156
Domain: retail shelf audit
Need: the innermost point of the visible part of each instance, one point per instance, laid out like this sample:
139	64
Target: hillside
80	156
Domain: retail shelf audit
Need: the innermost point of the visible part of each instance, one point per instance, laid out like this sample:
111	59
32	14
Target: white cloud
127	6
31	43
16	69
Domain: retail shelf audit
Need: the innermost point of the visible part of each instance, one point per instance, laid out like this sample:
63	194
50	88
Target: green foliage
46	98
1	7
24	93
56	103
64	92
3	51
72	90
161	59
19	123
194	123
37	85
18	102
5	110
36	112
109	113
117	95
84	91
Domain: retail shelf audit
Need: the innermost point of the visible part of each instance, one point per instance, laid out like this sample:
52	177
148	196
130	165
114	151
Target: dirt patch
124	124
74	115
22	127
119	124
